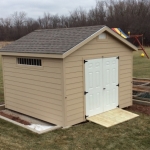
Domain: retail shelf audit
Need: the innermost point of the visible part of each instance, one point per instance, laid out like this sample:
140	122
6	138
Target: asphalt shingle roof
51	41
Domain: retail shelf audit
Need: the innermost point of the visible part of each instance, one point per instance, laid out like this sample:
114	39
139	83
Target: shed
63	75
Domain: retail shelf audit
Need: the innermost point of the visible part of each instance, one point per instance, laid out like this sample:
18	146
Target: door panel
101	78
110	80
93	81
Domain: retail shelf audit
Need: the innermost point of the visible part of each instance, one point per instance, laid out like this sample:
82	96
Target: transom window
29	61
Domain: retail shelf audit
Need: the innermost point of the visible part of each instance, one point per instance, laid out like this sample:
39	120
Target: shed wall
34	90
74	75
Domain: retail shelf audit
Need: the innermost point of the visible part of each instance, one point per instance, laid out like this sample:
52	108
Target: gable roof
62	41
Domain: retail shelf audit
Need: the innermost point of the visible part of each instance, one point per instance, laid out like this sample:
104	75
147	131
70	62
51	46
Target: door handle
104	88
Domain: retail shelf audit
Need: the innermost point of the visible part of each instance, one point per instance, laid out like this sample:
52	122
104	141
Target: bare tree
130	15
78	18
6	28
31	25
19	21
46	21
97	15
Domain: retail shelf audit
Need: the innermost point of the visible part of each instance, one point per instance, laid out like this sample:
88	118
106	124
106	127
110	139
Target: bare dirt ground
139	108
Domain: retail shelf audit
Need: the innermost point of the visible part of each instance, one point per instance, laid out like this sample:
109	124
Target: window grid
29	61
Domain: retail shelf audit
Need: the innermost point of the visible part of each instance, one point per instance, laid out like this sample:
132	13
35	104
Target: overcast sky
36	8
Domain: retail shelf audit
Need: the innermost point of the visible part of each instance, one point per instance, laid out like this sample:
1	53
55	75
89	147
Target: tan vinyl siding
74	75
35	90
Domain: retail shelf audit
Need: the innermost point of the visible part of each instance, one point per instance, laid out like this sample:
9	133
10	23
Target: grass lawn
130	135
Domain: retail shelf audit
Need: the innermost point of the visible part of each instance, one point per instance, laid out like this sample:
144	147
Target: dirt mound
17	119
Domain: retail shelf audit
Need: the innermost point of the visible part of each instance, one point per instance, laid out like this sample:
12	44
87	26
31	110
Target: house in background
64	75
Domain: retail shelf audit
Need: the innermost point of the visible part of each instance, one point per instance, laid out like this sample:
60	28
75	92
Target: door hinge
117	85
117	57
85	61
86	116
85	93
118	106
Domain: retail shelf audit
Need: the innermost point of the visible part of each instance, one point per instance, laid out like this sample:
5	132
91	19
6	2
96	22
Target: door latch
117	85
85	61
85	93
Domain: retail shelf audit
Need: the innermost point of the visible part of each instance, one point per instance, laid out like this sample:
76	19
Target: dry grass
130	135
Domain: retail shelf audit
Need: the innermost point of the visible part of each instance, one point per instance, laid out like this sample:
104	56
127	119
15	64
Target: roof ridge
38	30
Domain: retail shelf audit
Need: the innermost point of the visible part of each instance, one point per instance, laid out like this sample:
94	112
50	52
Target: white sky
36	8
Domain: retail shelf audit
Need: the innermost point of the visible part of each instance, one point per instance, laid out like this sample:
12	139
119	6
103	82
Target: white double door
101	80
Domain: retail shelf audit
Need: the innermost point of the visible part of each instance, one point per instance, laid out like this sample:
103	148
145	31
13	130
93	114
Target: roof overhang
32	55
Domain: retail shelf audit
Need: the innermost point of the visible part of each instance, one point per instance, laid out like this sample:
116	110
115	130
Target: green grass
141	65
130	135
